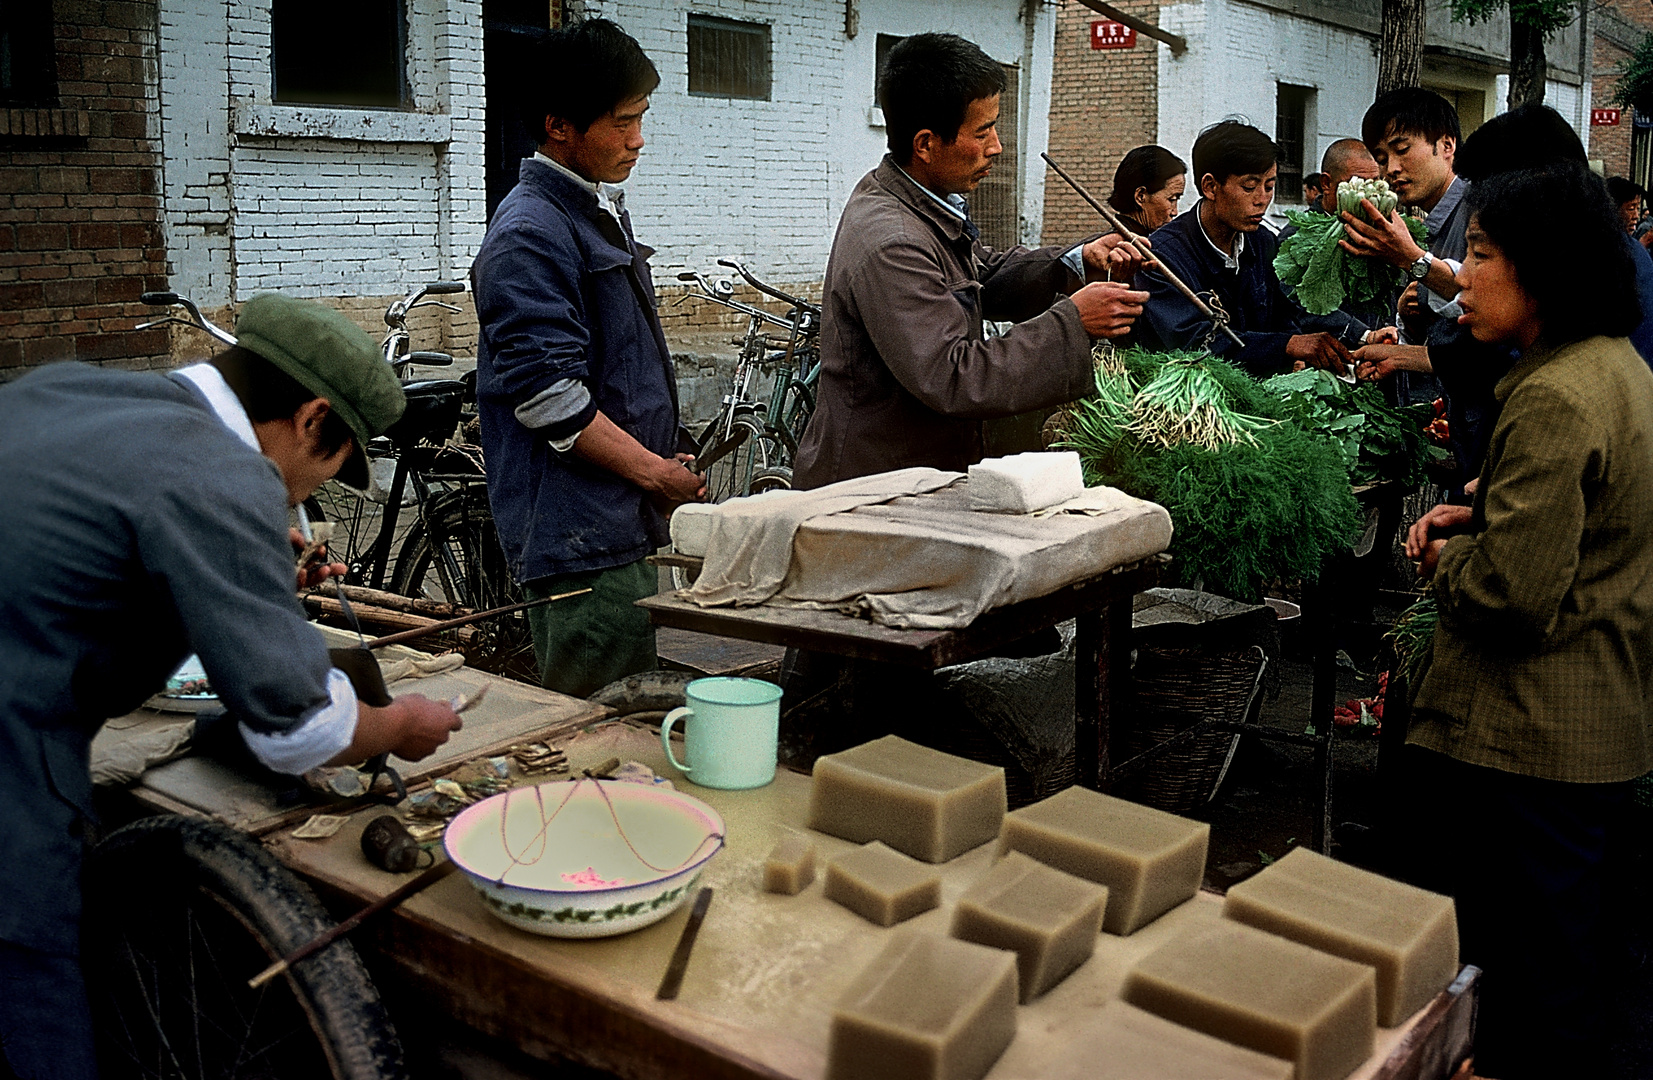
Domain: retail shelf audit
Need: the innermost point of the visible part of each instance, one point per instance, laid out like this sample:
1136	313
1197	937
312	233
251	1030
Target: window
339	52
994	206
882	48
28	62
728	59
1291	125
1641	148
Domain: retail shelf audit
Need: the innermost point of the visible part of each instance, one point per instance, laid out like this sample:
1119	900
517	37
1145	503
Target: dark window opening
995	206
28	60
510	30
1641	148
1290	124
882	48
339	52
728	59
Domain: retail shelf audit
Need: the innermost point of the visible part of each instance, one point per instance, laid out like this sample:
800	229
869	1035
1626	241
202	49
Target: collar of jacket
572	195
1529	362
897	183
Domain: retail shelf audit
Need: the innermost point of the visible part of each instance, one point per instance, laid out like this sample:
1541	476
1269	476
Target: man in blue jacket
575	387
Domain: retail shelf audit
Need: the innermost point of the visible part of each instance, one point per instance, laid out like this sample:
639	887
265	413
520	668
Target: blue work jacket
564	292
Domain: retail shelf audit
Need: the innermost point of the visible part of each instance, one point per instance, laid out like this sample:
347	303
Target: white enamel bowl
551	860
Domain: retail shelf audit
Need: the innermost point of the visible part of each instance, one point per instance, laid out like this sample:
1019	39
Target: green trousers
586	642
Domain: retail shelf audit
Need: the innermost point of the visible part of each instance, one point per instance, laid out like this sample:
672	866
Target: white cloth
327	729
749	547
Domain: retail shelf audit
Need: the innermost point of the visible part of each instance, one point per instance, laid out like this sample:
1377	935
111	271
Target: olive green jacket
1543	662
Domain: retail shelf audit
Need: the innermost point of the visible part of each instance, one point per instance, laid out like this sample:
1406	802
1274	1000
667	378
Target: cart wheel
180	913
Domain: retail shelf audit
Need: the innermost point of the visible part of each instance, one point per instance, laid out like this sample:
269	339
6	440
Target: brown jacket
906	377
1543	662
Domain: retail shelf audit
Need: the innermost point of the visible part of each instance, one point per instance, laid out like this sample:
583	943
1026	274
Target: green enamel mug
730	728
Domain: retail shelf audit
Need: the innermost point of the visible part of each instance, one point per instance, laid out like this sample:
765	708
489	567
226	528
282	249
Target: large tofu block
790	866
1409	936
1126	1043
881	885
931	805
926	1008
1150	861
1265	993
1023	483
1049	919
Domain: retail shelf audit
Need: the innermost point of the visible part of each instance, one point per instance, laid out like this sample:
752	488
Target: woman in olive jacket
1533	715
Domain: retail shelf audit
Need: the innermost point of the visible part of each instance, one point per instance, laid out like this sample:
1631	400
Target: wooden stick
465	620
1147	252
321	941
413	605
378	616
673	982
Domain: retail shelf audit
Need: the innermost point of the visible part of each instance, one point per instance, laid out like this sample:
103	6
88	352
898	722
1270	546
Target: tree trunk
1400	45
1529	68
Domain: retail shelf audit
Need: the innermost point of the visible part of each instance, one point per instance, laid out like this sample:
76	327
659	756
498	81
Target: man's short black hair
1572	202
1233	148
928	82
1621	190
268	393
1527	137
1411	110
583	71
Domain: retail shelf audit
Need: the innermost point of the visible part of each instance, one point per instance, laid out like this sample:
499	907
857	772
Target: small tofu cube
1049	919
791	865
1265	993
927	1008
1408	936
1150	861
931	805
881	885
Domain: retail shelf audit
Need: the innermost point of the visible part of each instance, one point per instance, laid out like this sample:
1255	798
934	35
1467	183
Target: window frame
714	23
1288	176
404	89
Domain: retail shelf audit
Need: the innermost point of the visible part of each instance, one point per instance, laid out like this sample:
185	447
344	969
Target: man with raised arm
575	387
906	375
146	518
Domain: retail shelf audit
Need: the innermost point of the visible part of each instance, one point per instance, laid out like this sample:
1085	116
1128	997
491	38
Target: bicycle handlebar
396	314
168	298
751	279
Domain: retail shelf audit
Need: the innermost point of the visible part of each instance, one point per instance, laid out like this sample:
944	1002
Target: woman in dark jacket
1146	188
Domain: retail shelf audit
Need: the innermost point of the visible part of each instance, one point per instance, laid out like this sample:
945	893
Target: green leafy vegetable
1321	275
1377	441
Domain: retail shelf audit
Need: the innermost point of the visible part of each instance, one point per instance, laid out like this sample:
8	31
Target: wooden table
1101	606
757	998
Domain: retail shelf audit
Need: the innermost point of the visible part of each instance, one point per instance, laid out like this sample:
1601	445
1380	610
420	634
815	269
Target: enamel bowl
561	859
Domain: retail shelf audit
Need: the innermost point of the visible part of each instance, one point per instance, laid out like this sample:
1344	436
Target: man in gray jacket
906	375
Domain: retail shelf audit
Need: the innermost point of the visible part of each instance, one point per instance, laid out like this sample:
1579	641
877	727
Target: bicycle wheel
452	554
733	474
180	913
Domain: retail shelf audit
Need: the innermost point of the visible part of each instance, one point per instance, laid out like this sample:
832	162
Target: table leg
1318	625
1090	721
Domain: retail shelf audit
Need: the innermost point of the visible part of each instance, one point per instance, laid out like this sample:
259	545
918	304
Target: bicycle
749	447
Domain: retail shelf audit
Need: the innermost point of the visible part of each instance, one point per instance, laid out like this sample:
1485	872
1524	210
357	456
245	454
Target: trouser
45	1022
1528	862
586	642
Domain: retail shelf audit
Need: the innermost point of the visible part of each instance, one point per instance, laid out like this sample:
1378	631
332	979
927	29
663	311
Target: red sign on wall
1604	117
1107	34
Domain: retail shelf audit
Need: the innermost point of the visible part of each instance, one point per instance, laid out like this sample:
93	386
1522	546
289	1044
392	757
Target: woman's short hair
1150	167
1621	190
1524	211
928	82
1526	137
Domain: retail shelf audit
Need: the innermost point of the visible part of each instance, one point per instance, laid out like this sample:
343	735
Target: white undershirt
325	731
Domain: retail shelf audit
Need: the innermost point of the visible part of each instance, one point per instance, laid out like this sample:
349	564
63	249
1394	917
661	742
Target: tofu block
1049	919
790	866
881	885
931	805
1150	861
1409	936
1126	1043
926	1008
1023	483
1259	991
691	528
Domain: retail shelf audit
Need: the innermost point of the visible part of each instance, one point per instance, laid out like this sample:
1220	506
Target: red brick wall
80	232
1612	144
1103	102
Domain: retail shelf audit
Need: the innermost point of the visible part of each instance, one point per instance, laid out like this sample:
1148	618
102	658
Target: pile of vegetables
1413	639
1253	496
1322	275
1376	440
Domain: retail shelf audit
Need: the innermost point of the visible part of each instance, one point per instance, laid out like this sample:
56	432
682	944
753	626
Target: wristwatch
1420	269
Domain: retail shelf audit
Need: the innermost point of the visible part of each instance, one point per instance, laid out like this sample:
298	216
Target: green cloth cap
331	357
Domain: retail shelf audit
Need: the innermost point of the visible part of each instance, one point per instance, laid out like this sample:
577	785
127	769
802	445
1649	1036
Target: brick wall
79	205
1618	24
1103	102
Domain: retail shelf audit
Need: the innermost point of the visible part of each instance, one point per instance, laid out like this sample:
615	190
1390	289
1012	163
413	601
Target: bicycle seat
432	412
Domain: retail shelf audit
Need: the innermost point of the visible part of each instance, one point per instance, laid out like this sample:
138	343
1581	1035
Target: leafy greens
1323	276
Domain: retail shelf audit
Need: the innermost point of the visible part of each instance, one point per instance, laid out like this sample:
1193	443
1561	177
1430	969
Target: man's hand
1442	518
1112	258
1375	362
1378	237
1383	335
1108	308
674	483
318	569
411	727
1318	351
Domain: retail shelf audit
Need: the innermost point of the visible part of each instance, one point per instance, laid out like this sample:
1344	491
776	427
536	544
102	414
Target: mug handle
666	734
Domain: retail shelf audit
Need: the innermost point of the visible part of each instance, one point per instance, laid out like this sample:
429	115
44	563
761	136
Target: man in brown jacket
906	375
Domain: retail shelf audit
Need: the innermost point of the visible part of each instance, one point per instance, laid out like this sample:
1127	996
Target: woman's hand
1374	362
1443	517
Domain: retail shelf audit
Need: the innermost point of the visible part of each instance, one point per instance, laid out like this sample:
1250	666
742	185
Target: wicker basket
971	739
1174	689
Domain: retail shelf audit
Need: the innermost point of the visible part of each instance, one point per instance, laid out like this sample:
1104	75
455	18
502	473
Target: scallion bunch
1184	403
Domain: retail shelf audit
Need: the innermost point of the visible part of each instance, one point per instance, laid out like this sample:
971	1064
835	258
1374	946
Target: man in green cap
146	518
